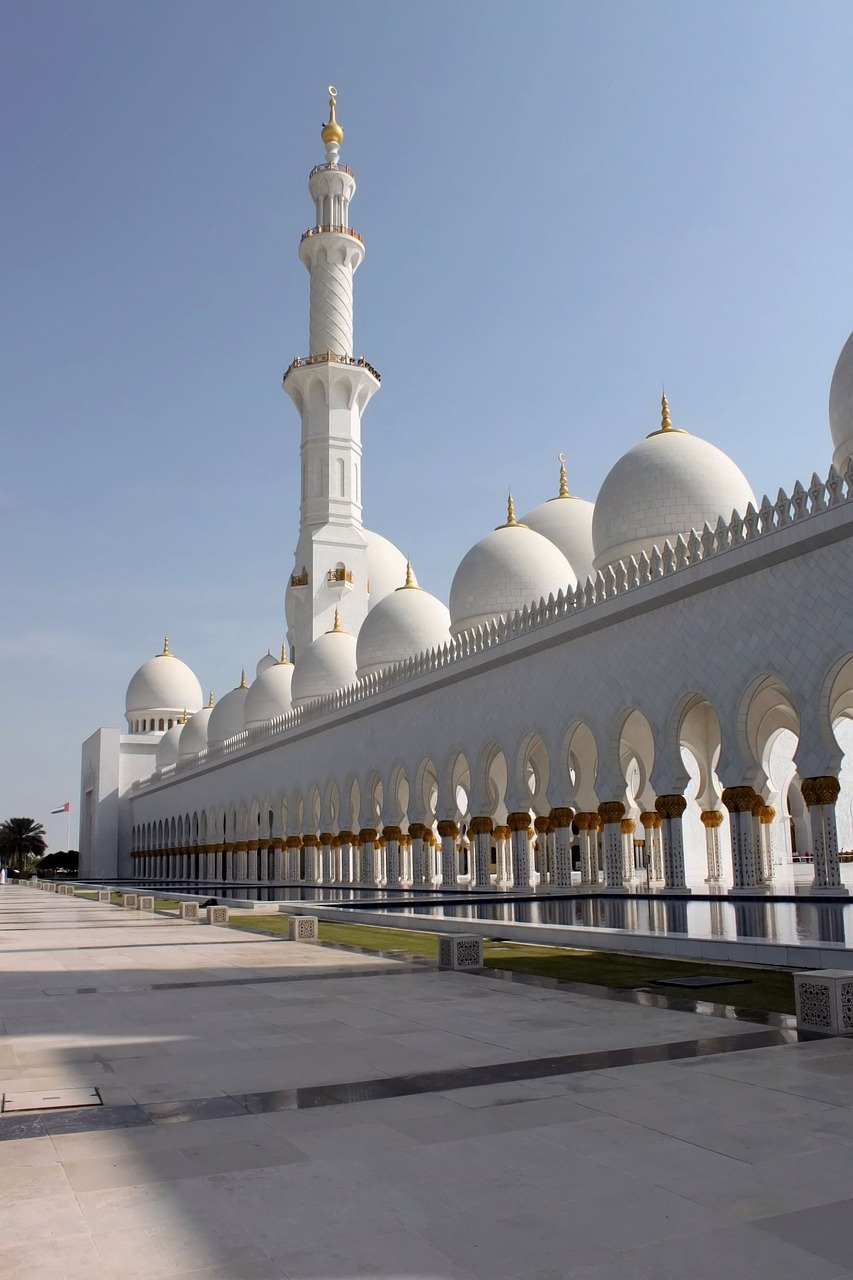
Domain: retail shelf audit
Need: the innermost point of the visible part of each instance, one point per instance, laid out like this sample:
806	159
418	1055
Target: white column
821	794
480	830
611	813
519	825
671	809
712	820
740	802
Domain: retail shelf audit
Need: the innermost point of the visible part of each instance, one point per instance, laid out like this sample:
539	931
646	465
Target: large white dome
406	622
163	685
168	747
269	695
668	484
265	663
328	664
227	716
511	567
567	522
194	736
841	406
386	566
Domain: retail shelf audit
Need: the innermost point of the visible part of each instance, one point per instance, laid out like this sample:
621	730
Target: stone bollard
460	951
103	895
188	911
145	903
824	1001
302	928
128	901
217	915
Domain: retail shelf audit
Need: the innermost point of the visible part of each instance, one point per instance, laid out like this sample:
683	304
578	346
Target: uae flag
65	808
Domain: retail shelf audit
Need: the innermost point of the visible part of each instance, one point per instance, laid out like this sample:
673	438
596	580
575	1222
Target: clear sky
564	204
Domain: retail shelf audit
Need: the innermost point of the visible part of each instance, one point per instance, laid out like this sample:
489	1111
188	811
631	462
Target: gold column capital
562	817
627	826
611	811
519	820
823	790
739	799
480	826
711	818
447	827
671	806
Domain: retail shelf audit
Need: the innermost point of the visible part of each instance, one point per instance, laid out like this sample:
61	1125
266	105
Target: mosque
654	690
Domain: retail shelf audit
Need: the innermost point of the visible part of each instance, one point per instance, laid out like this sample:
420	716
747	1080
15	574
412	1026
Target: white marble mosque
652	690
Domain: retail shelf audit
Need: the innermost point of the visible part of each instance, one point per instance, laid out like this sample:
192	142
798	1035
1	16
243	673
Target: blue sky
564	206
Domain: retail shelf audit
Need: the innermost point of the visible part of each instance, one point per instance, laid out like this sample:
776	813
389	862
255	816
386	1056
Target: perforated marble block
145	903
302	928
128	900
460	951
103	895
188	911
824	1001
217	915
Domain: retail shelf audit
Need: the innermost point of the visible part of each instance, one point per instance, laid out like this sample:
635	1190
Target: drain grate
50	1100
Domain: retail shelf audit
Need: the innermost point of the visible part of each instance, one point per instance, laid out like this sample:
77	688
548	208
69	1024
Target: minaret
330	388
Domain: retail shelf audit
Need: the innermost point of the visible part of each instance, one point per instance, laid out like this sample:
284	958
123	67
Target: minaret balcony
330	357
299	579
330	168
334	227
340	580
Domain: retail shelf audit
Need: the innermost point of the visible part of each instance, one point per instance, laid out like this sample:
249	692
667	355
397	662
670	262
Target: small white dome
668	484
265	663
168	747
194	736
328	664
567	522
269	695
841	406
386	566
227	716
162	685
406	622
511	567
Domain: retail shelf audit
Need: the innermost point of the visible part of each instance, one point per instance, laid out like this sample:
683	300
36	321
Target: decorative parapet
299	579
616	580
334	575
330	168
330	357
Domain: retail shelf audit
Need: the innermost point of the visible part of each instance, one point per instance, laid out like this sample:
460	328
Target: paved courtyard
275	1109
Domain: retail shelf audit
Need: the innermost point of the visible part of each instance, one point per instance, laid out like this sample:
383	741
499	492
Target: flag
66	808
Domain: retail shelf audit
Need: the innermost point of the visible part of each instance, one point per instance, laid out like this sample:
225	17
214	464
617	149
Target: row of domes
668	484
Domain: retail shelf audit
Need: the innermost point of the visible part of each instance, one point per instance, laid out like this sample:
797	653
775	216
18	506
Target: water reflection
788	923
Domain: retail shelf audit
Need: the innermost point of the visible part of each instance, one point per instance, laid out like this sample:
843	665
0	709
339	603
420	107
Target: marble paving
731	1164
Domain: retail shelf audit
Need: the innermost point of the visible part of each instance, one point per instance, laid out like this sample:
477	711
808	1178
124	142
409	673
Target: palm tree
21	838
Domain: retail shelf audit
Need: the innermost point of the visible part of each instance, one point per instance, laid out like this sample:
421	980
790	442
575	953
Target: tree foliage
21	838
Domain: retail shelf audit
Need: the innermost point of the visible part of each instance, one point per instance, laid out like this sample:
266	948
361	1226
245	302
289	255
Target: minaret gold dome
332	131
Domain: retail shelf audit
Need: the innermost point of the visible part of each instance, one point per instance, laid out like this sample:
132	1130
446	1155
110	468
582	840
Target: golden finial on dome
284	658
337	627
210	699
165	653
665	420
511	522
242	684
564	483
184	718
332	131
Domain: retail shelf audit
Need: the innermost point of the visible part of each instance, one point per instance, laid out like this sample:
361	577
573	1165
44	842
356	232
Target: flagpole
68	829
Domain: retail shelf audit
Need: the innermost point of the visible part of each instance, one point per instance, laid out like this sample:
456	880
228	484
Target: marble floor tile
824	1230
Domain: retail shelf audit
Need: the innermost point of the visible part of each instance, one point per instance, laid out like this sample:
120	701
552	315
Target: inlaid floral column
542	827
611	813
820	794
651	822
480	830
294	845
417	831
348	871
325	839
448	832
561	821
405	859
671	808
392	836
587	825
740	802
502	837
627	827
712	820
765	818
278	872
367	838
519	825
